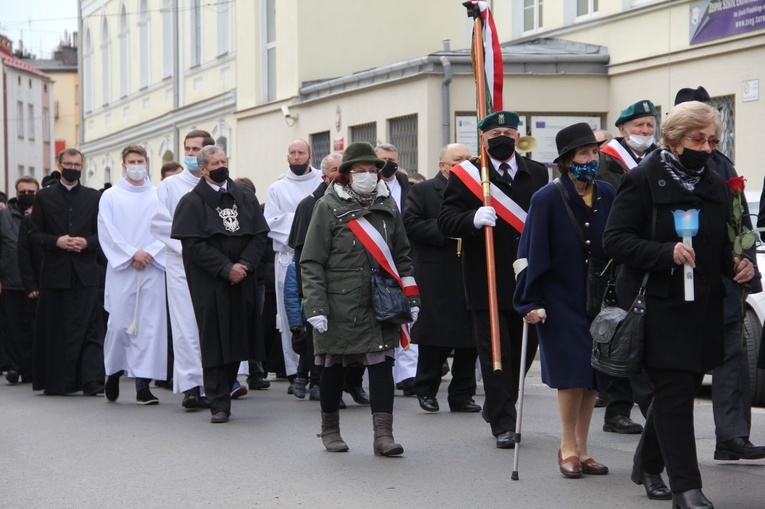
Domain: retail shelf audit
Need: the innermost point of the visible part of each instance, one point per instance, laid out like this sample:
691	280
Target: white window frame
591	10
224	12
20	119
123	35
537	9
195	32
87	70
106	85
46	125
267	53
31	123
168	36
144	44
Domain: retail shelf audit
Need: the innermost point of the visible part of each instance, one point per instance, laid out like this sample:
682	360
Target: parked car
755	317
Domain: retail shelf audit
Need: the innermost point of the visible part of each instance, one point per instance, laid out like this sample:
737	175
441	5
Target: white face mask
364	183
640	143
135	172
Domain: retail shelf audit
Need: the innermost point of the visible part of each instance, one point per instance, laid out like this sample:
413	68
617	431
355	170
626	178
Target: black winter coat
444	319
456	220
678	334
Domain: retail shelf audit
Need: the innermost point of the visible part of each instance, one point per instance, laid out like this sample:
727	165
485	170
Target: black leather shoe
428	403
93	389
191	399
258	383
691	499
112	387
600	401
655	489
506	440
358	394
407	386
622	424
12	377
204	402
739	449
468	406
219	418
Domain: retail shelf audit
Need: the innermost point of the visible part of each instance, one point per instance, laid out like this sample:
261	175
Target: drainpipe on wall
445	100
5	126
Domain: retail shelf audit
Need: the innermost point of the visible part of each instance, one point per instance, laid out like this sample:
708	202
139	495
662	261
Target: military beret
644	108
508	119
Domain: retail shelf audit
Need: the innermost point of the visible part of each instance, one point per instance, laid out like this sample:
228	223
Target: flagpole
491	269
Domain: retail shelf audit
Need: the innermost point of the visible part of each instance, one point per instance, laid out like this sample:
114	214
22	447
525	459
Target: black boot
691	499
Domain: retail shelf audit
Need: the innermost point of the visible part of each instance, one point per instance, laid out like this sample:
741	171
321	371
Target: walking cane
519	265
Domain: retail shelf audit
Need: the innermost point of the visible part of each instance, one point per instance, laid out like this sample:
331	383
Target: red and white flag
492	57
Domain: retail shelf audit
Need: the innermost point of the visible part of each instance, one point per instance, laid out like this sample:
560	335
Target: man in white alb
136	334
282	199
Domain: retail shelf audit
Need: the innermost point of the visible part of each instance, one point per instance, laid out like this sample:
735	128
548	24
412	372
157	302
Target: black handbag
618	335
599	272
389	303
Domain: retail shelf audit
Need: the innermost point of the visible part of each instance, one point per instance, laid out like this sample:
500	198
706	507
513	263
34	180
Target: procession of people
376	278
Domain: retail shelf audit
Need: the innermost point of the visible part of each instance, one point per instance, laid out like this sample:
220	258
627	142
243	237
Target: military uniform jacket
455	219
444	318
58	211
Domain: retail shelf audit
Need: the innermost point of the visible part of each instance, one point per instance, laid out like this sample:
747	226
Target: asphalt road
83	452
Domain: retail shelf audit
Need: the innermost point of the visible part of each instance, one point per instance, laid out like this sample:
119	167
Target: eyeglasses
71	166
699	140
363	170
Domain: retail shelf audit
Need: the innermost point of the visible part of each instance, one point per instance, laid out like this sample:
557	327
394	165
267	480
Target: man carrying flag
513	180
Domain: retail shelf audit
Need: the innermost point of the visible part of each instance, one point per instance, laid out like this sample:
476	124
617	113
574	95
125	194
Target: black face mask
70	175
694	160
501	148
389	169
298	169
220	175
25	200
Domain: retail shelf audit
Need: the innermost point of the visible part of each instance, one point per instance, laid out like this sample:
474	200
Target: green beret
508	119
644	108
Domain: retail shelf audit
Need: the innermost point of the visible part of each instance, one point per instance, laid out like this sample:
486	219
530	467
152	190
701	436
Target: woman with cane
562	235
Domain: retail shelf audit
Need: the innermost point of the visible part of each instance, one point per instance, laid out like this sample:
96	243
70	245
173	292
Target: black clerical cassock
217	230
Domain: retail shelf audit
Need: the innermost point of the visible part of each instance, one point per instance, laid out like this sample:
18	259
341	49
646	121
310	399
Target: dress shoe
428	403
112	387
506	440
445	369
622	424
468	406
191	399
691	499
93	389
204	402
219	418
357	392
407	386
739	449
600	401
570	467
12	377
257	383
592	467
655	489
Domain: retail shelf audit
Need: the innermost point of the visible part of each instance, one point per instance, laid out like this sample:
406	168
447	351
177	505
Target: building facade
26	145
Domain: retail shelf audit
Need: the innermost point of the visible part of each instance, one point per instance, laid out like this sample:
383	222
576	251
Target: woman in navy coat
554	280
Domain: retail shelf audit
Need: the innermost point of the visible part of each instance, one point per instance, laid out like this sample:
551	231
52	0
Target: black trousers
501	387
218	381
669	439
381	386
622	393
17	319
429	362
731	392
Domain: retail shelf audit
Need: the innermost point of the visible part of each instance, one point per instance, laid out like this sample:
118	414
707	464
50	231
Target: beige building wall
66	116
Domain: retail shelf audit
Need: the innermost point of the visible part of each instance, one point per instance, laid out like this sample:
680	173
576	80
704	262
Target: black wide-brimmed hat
360	152
685	95
572	137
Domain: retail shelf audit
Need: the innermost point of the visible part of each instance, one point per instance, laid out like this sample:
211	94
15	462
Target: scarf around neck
687	178
364	199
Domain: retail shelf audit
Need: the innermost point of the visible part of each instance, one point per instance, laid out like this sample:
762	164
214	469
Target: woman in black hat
337	270
563	232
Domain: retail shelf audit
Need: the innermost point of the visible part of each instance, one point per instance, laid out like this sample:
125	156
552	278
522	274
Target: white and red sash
371	239
506	208
615	149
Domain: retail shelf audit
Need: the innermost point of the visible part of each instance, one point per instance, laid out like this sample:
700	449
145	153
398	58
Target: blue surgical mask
584	172
191	163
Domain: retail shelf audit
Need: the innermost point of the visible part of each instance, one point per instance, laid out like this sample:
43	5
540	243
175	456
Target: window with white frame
46	125
106	95
168	37
268	49
144	43
20	119
403	134
195	32
224	10
87	70
123	34
586	8
532	15
31	123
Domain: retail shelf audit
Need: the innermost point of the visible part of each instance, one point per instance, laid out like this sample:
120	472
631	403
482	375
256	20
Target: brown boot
384	443
330	432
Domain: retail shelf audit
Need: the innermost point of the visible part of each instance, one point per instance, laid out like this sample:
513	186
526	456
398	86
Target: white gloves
415	313
485	216
319	322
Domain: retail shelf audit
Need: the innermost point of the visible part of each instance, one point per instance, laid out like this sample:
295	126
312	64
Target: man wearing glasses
69	336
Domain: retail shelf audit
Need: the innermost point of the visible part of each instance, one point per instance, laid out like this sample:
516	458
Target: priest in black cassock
223	233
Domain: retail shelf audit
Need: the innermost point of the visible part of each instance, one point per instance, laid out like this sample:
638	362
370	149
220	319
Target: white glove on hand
319	322
415	313
485	216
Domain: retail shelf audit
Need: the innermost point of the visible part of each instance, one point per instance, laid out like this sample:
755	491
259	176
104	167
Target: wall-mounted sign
338	144
544	129
338	118
712	19
751	91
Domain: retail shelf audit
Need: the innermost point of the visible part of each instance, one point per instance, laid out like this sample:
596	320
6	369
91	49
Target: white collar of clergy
127	186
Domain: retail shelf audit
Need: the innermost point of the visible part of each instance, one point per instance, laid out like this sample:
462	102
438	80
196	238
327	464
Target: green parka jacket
337	273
